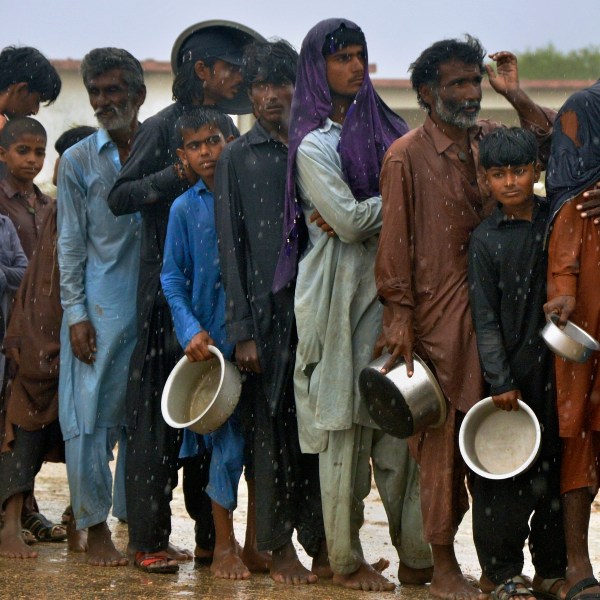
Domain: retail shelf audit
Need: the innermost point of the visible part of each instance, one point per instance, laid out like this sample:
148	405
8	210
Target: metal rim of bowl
530	459
438	392
593	345
181	364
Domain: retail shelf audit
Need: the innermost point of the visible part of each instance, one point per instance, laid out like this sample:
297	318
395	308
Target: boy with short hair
507	276
191	281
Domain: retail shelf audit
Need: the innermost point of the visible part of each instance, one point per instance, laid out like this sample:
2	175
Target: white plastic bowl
201	395
499	444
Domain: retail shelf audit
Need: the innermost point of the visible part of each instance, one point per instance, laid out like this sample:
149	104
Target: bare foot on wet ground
286	568
367	578
101	550
227	564
12	544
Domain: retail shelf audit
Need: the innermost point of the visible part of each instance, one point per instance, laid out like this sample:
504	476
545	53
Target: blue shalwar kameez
98	256
191	281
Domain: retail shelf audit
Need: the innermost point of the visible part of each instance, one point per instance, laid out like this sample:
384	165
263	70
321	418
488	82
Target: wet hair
341	38
28	65
188	88
17	128
72	136
100	60
271	62
504	147
198	117
426	69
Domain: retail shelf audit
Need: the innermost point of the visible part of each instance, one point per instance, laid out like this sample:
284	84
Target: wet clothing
369	128
250	188
339	319
22	462
149	184
574	270
501	522
12	268
98	260
27	220
34	328
191	281
431	204
507	279
574	163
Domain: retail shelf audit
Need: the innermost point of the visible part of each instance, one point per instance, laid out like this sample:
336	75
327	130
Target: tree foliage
550	63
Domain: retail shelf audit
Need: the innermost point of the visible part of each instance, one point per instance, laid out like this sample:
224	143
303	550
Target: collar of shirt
328	125
103	139
199	187
11	191
501	219
259	135
441	141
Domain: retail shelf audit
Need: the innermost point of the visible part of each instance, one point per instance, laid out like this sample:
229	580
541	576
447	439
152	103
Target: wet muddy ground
58	574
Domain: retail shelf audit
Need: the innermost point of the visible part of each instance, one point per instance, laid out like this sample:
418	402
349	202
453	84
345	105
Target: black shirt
507	278
249	198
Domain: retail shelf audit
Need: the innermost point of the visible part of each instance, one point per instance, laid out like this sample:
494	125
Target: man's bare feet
366	578
227	564
257	562
454	586
320	564
179	554
76	538
11	541
286	568
101	550
409	576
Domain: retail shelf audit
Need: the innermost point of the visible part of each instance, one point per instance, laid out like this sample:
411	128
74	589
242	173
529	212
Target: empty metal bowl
499	444
201	395
399	404
572	342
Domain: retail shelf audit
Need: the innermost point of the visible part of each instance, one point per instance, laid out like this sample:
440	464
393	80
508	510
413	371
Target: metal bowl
201	395
572	342
399	404
499	444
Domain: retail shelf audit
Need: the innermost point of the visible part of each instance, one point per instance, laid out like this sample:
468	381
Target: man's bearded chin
119	118
451	112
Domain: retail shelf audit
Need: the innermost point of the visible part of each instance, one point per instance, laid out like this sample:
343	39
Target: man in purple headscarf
339	132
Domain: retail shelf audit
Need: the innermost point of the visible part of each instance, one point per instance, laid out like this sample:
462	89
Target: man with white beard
98	256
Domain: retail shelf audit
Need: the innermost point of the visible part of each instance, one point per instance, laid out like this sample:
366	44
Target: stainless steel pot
399	404
572	342
201	395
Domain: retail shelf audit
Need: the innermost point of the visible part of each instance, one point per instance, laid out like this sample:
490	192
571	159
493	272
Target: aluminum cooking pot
572	342
201	395
399	404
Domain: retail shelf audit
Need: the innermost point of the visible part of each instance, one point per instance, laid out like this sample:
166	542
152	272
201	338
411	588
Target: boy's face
346	70
512	186
24	158
220	82
21	102
271	102
201	150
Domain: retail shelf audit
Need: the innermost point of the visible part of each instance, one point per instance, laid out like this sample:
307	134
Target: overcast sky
396	30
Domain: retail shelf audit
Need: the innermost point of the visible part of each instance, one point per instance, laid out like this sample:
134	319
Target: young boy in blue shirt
191	281
507	277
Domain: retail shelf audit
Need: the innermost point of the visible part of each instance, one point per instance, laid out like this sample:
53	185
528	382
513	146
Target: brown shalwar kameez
574	270
28	221
34	328
431	204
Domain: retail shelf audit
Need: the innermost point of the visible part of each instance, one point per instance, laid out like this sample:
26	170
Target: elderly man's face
114	105
456	100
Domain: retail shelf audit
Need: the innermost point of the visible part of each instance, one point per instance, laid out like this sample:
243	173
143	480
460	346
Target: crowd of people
322	237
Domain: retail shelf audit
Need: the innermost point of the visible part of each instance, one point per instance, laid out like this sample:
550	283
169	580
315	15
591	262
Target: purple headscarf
368	130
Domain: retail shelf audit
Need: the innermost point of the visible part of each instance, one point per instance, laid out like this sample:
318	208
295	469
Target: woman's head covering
574	163
368	130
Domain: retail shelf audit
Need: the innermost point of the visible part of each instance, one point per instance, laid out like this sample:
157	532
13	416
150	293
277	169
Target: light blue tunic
98	256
